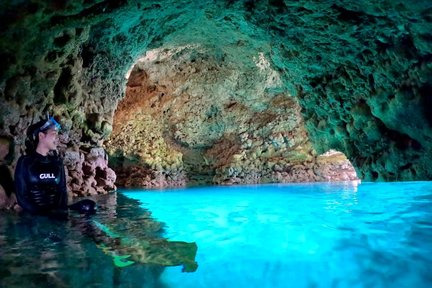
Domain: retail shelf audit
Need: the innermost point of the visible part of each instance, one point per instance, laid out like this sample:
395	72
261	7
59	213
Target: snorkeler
40	186
40	181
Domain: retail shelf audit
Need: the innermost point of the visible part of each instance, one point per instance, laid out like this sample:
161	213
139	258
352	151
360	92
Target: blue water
300	235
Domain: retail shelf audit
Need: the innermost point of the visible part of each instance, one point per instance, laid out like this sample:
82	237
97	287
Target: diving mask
50	123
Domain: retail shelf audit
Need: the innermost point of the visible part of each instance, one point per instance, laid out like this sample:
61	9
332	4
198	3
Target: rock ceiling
224	76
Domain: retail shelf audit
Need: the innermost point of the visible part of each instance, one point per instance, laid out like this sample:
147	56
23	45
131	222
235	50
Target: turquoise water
294	235
300	235
41	252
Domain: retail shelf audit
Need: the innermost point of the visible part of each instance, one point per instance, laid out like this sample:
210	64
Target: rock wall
365	81
187	117
50	64
360	71
7	197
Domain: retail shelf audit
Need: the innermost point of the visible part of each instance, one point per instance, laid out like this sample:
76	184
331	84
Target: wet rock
223	142
88	172
334	166
7	195
351	76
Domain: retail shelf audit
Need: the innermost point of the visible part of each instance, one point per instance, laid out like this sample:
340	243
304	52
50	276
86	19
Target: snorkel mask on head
50	123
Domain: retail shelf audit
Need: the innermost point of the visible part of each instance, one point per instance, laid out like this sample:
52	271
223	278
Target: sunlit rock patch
188	118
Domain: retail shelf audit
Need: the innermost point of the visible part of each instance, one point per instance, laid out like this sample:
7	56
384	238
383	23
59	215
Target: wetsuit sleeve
63	189
21	187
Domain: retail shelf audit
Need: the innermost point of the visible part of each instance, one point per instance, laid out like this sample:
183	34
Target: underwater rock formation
360	74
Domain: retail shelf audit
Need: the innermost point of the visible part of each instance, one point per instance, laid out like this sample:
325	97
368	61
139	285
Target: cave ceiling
357	73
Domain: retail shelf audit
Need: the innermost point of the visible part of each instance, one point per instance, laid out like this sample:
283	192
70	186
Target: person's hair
32	139
33	130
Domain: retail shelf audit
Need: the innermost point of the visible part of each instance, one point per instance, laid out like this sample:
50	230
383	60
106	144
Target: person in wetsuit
40	182
41	189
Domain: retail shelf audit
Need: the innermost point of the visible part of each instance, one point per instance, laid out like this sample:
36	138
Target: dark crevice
100	173
51	56
279	5
383	45
61	41
402	141
62	83
408	48
249	5
426	102
406	166
12	129
229	3
79	31
355	17
7	60
16	12
279	31
425	58
426	37
10	88
104	7
87	55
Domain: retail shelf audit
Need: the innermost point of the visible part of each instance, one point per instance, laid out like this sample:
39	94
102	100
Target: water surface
292	235
300	235
36	251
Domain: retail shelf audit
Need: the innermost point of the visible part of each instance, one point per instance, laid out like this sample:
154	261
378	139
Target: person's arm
21	187
63	188
60	212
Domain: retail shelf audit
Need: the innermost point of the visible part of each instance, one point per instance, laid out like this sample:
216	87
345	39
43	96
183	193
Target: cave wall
69	59
361	72
365	78
192	116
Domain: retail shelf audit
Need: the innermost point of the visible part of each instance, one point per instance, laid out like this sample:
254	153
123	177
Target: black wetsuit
40	184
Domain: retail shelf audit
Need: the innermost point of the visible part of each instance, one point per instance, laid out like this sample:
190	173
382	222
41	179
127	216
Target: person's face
49	139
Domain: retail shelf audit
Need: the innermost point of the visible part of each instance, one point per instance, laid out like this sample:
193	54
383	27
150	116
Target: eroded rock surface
187	117
360	71
88	172
366	87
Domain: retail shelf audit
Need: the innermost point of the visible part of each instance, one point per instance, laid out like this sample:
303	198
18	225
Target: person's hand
85	206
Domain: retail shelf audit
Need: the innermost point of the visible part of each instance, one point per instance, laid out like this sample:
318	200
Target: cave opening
333	165
190	117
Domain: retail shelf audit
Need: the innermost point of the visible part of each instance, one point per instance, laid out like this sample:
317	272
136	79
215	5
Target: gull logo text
47	176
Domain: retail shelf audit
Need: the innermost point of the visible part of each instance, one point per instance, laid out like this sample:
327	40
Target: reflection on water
300	235
41	252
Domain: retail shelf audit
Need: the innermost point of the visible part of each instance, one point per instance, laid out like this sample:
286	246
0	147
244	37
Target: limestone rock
229	141
7	197
88	172
6	202
359	74
334	166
